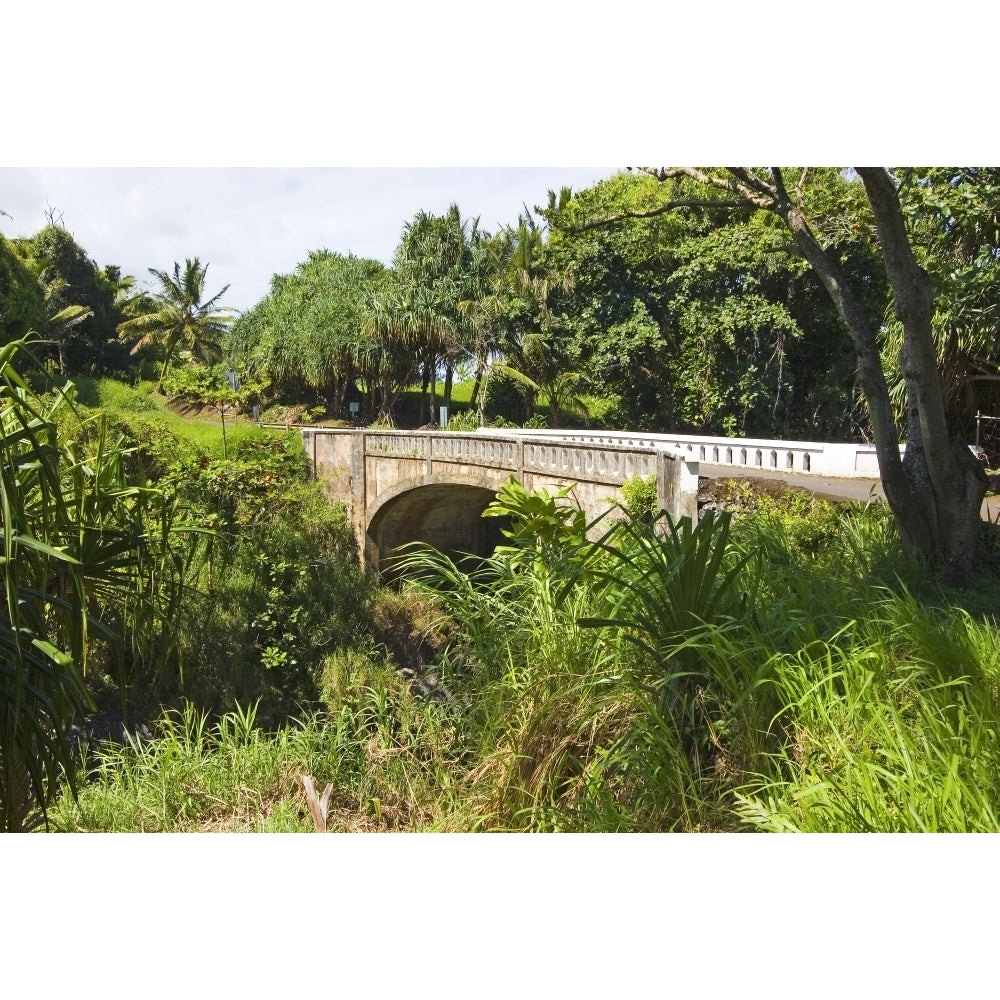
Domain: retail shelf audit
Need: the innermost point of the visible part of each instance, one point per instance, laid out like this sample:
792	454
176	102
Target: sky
249	223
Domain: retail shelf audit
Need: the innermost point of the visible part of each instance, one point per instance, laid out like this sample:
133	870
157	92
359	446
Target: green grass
410	413
141	406
878	710
889	722
894	729
110	394
230	775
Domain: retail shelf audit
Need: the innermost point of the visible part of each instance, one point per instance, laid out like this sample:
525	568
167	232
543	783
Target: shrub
505	398
639	496
466	420
281	592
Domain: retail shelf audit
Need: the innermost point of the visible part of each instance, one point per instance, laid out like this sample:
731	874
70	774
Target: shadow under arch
448	516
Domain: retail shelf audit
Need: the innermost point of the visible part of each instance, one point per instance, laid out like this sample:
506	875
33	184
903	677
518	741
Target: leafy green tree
549	380
304	336
485	311
129	301
953	214
440	267
936	489
523	336
81	312
22	306
180	318
697	318
612	312
60	320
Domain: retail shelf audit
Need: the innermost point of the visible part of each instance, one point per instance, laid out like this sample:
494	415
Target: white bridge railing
605	461
816	458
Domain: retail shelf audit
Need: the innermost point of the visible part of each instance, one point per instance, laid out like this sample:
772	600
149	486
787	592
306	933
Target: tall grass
834	700
231	775
884	739
92	569
788	669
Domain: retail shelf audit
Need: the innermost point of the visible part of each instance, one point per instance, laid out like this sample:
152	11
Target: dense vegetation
782	664
764	670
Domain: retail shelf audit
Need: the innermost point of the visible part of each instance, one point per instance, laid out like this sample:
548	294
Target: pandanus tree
435	272
305	334
88	567
384	352
180	318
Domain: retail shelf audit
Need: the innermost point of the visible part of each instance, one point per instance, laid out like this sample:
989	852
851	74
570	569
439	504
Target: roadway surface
827	487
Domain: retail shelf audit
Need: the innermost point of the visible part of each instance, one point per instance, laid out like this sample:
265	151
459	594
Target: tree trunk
476	386
946	479
339	396
449	376
433	400
936	489
387	400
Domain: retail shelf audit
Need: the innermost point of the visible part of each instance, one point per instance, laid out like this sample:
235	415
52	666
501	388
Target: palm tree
536	359
433	265
178	318
549	378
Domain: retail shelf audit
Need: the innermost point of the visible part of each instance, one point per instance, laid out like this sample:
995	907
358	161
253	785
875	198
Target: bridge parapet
609	462
435	484
814	457
436	446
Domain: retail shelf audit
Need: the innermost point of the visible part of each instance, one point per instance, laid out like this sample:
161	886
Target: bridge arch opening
448	516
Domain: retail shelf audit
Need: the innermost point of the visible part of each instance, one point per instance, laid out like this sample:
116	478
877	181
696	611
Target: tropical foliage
79	308
305	334
89	560
955	218
178	318
21	304
700	318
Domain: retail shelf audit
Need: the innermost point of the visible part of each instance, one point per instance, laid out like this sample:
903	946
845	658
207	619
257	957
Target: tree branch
754	188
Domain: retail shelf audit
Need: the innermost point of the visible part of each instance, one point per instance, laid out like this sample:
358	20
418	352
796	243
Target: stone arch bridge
433	486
